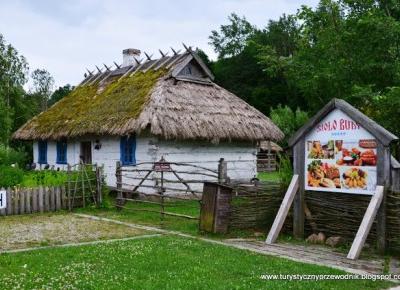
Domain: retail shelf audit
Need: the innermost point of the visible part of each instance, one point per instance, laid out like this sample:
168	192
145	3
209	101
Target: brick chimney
128	56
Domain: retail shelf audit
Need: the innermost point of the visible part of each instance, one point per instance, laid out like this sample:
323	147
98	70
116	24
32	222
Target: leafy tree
43	84
232	38
60	93
287	120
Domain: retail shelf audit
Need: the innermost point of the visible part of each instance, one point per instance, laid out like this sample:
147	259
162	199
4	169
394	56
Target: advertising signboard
340	156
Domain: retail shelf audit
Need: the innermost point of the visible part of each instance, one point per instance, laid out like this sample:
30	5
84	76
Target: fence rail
31	200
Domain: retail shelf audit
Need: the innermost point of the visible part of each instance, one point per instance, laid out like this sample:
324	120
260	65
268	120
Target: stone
313	239
335	241
321	238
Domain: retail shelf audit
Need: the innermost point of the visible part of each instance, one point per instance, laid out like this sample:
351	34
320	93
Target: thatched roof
157	96
274	147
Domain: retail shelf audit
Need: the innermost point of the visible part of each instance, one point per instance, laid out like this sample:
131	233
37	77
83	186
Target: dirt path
27	231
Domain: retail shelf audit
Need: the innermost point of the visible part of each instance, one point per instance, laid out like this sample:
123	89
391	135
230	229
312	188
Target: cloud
65	37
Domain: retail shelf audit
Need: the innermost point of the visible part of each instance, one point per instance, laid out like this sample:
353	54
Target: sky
66	37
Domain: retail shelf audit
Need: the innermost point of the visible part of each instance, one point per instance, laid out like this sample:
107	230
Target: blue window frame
128	148
61	152
42	156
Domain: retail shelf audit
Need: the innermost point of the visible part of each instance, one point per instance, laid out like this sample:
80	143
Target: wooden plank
22	193
298	206
366	223
35	193
16	201
207	209
9	202
283	210
46	199
41	199
58	198
52	198
64	198
28	194
383	179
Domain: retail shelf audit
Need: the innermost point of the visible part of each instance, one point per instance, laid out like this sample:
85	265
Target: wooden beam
283	210
366	223
298	205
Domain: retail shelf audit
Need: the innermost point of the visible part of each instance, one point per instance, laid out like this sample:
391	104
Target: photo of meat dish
321	174
356	157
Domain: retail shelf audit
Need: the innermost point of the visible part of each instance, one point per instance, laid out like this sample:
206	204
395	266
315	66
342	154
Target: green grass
134	215
165	262
269	176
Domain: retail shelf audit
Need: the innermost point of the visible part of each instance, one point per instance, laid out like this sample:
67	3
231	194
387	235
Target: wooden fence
31	200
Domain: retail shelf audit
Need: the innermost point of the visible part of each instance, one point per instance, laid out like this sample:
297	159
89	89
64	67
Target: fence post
99	176
69	187
119	184
222	171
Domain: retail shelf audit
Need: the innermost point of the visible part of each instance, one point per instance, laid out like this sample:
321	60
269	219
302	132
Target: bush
10	176
10	156
44	177
285	170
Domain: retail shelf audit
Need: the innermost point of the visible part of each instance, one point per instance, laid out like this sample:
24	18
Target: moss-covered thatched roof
153	96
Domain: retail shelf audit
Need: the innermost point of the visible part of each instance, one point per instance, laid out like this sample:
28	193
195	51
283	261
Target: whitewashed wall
241	157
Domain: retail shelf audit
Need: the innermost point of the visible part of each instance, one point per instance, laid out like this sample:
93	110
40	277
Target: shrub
10	176
10	156
285	170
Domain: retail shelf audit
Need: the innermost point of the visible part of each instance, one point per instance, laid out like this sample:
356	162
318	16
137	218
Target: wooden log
46	199
283	210
366	224
64	198
52	198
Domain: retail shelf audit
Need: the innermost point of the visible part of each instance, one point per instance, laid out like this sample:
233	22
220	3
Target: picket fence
31	200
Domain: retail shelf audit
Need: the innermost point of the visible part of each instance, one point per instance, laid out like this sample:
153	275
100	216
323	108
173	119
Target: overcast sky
67	36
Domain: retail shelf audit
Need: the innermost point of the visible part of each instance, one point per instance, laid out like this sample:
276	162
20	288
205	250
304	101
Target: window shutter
42	148
128	148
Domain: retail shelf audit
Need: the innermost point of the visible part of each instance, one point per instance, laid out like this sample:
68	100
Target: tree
60	93
287	120
232	38
43	84
13	71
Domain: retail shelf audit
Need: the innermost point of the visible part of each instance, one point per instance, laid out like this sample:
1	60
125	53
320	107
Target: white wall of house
240	157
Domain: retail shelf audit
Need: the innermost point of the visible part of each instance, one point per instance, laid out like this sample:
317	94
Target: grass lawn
165	262
134	215
268	176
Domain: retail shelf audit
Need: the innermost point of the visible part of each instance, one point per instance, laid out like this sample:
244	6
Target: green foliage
60	93
287	120
44	177
285	170
232	38
10	176
10	156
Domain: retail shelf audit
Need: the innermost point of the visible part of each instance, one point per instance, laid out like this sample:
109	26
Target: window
42	158
62	152
128	148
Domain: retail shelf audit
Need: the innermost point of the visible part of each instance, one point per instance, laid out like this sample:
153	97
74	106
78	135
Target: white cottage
142	111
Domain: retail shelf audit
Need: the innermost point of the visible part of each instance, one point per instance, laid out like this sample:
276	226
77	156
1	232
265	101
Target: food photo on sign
340	156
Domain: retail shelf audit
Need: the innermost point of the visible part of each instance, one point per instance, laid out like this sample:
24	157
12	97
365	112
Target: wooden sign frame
377	206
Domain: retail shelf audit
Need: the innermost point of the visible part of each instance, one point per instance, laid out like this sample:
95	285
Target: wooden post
9	199
366	223
41	199
119	184
298	206
162	197
222	171
283	210
35	200
269	156
69	187
383	179
22	197
99	180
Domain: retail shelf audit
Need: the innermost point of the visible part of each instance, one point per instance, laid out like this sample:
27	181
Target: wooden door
86	152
